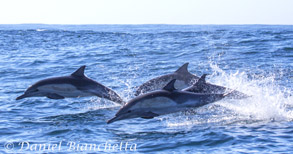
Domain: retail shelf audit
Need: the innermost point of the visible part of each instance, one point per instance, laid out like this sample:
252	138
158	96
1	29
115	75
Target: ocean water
254	59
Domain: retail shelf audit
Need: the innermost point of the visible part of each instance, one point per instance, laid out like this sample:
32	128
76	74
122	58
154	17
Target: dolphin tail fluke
229	93
109	94
113	96
118	100
234	94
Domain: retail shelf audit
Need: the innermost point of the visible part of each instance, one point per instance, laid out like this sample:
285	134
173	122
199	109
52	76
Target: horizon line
142	24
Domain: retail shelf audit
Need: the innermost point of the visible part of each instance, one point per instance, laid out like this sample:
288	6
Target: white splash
268	101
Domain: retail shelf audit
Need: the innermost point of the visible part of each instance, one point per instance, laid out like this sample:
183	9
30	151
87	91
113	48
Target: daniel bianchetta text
69	146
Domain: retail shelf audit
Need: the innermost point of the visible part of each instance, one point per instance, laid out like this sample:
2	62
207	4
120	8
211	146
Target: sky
276	12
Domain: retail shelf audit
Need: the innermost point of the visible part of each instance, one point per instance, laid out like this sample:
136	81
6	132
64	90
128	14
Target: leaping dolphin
183	79
201	86
74	85
165	101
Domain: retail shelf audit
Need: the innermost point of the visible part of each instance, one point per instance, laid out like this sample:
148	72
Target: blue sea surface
254	59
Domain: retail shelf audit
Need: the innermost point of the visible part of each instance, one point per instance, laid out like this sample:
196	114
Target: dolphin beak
122	116
116	118
22	96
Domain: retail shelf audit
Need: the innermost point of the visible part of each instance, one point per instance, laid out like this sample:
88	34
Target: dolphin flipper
149	115
55	96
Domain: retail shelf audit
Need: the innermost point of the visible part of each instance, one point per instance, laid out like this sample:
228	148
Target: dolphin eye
128	111
33	90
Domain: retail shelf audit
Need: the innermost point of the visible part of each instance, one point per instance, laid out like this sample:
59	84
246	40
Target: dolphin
183	79
201	86
74	85
165	101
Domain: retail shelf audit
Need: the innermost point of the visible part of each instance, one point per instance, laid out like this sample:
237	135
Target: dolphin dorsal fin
202	79
79	72
182	69
170	86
